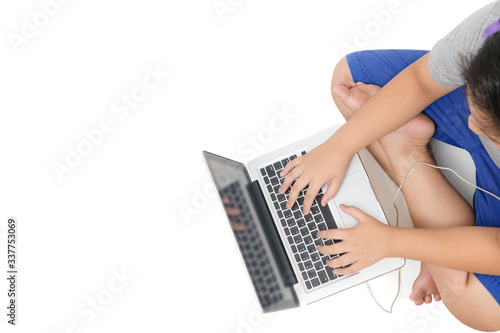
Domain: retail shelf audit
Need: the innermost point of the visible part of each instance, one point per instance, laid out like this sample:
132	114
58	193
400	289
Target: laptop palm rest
355	191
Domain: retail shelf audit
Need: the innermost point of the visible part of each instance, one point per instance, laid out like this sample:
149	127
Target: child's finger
355	212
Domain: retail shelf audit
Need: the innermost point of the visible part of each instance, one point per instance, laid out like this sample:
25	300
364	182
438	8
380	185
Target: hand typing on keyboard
326	163
360	246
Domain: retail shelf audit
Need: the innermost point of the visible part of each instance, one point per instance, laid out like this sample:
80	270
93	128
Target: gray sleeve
445	59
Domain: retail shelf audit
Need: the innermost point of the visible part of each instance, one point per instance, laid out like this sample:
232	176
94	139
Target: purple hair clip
491	29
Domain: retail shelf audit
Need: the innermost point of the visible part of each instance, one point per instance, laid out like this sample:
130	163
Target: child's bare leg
432	202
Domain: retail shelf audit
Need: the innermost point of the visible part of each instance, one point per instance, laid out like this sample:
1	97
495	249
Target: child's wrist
339	142
389	241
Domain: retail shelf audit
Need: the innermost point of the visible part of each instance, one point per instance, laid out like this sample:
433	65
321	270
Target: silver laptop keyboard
301	230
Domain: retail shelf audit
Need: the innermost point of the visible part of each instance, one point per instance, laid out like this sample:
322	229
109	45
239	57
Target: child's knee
341	73
472	304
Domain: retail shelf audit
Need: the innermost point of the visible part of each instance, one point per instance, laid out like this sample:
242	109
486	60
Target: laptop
278	245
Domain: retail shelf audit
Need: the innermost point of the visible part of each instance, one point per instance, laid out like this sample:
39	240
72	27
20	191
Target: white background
120	209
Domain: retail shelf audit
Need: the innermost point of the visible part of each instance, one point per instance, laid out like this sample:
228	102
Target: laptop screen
233	185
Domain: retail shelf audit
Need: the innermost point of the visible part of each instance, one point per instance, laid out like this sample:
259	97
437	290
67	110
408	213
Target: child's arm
404	97
465	248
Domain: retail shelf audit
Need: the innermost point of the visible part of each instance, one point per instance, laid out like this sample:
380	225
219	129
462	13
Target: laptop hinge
273	237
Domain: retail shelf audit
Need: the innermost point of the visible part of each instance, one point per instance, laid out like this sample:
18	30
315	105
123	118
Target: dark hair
482	76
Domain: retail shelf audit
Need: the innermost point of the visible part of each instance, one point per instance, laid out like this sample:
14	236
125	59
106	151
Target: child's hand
326	163
362	245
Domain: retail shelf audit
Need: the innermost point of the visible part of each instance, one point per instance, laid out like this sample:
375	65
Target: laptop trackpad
355	191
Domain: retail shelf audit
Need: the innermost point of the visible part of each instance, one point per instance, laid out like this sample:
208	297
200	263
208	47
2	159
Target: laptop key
318	265
314	234
315	256
277	165
323	277
304	231
329	272
270	171
308	285
318	241
315	282
297	239
301	247
308	264
328	242
311	273
311	248
308	240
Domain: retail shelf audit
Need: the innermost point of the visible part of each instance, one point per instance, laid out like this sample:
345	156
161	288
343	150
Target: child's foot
424	287
353	95
408	144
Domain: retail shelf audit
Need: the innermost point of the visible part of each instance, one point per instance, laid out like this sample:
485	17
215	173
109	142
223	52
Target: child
460	261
